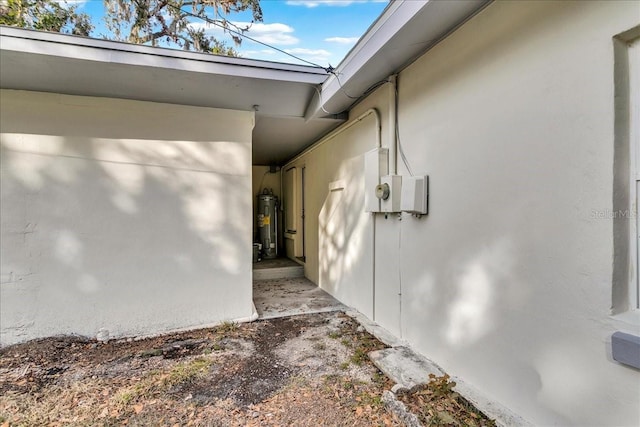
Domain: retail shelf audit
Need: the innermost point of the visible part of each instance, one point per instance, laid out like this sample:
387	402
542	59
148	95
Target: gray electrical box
625	348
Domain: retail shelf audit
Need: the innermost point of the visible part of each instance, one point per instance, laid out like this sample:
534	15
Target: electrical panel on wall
415	195
376	165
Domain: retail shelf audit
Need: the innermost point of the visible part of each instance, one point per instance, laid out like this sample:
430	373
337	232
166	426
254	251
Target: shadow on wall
345	250
509	272
137	236
470	308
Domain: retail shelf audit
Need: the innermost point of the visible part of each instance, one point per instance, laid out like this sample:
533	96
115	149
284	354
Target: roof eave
84	48
403	32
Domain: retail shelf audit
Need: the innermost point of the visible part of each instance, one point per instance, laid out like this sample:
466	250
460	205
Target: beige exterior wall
507	282
339	233
129	216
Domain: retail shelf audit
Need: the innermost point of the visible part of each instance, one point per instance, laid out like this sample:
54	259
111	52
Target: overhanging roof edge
373	48
84	48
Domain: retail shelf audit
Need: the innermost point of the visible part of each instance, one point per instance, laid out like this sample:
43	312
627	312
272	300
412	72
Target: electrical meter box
391	203
415	194
376	165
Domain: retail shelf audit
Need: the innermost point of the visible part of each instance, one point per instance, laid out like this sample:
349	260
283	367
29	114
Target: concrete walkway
291	296
283	296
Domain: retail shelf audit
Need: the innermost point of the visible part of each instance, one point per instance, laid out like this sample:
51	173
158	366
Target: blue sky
320	31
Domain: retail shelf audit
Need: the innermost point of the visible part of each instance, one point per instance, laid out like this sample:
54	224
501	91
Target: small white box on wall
392	202
415	194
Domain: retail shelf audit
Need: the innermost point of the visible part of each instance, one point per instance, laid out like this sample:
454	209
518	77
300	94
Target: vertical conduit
393	170
332	135
373	218
393	105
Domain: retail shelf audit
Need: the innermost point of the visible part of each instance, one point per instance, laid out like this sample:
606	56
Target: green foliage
45	15
172	22
369	398
228	328
334	335
359	356
158	381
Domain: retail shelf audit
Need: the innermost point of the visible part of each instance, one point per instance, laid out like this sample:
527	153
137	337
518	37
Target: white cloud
339	3
253	53
305	51
342	40
316	55
274	34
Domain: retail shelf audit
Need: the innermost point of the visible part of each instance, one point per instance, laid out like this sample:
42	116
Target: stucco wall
508	281
124	215
339	233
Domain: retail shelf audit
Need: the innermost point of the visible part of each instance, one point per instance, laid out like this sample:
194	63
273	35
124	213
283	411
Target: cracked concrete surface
405	367
291	296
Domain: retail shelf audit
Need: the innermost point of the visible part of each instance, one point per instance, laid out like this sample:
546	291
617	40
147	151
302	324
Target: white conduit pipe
332	135
343	128
393	141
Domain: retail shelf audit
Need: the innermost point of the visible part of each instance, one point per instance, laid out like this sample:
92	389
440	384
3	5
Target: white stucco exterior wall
129	216
507	282
511	271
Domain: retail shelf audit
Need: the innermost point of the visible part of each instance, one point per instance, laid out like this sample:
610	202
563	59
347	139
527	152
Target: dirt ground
306	370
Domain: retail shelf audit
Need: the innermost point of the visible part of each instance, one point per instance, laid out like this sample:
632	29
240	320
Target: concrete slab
291	296
278	273
405	367
278	268
376	330
275	263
